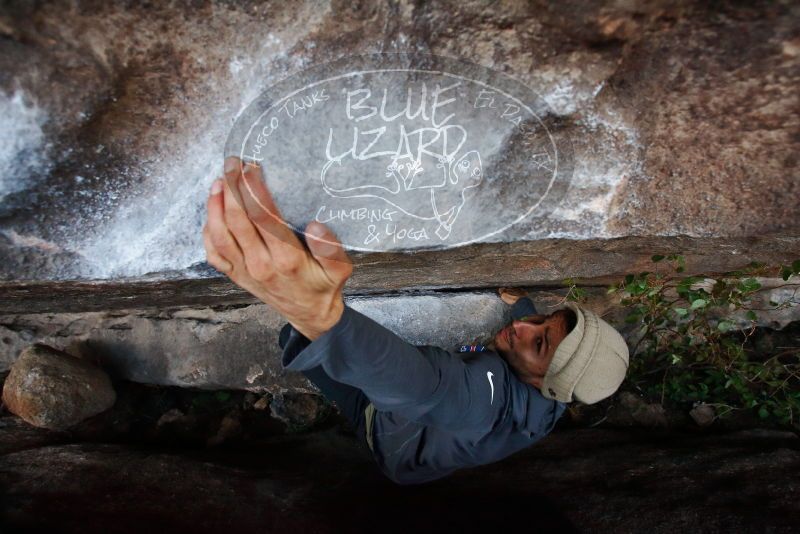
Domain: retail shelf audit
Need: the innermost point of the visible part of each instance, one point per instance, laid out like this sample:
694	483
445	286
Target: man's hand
246	239
510	295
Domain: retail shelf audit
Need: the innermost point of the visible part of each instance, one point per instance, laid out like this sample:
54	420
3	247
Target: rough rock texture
178	417
527	263
703	414
51	389
683	115
718	124
630	410
237	347
299	410
590	480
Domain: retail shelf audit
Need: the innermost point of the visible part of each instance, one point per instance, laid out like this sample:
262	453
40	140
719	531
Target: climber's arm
246	238
425	384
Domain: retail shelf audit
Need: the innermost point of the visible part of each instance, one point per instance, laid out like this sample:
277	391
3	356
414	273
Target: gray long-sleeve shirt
435	410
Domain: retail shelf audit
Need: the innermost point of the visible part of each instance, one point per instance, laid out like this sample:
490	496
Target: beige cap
589	364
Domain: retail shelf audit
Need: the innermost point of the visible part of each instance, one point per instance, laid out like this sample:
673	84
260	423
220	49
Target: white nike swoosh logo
489	376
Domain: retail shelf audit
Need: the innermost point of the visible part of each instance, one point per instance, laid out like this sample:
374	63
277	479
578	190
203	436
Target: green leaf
636	288
763	413
680	262
682	312
751	315
688	281
612	289
657	257
786	272
724	326
201	401
751	284
632	317
728	383
699	303
796	266
675	359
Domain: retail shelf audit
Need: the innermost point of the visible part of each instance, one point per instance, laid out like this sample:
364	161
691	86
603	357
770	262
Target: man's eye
539	343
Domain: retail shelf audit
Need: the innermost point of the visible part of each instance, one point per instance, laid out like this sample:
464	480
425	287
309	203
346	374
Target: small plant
574	292
689	340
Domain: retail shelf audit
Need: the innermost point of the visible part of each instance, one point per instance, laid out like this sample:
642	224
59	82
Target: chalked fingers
329	252
257	258
286	251
222	242
261	207
213	257
235	215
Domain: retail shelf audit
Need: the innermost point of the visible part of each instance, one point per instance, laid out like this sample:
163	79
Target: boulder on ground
703	414
632	410
299	411
51	389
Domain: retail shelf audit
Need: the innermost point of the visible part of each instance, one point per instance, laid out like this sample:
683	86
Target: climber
423	411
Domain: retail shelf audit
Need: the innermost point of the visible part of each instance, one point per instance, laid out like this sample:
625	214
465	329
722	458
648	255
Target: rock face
631	410
535	264
683	115
299	410
51	389
237	348
591	480
703	414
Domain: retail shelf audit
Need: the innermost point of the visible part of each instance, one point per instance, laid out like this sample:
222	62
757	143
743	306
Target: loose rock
299	410
229	427
652	416
631	410
51	389
262	403
170	417
703	414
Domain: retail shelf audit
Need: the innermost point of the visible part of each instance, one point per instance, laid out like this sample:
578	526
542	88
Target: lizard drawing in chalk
426	177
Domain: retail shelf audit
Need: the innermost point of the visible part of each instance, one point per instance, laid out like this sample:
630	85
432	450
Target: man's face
528	345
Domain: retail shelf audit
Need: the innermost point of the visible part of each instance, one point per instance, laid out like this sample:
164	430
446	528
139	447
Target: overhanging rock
682	118
544	263
237	348
682	115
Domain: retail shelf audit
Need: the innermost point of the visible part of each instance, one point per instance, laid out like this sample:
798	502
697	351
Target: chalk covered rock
106	119
51	389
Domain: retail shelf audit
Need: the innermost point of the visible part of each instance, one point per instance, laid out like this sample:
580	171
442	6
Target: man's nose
521	326
516	327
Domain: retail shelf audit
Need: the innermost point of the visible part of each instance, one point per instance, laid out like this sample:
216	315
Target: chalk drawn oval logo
403	151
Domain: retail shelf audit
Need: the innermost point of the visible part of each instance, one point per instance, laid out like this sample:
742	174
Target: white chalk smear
22	143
